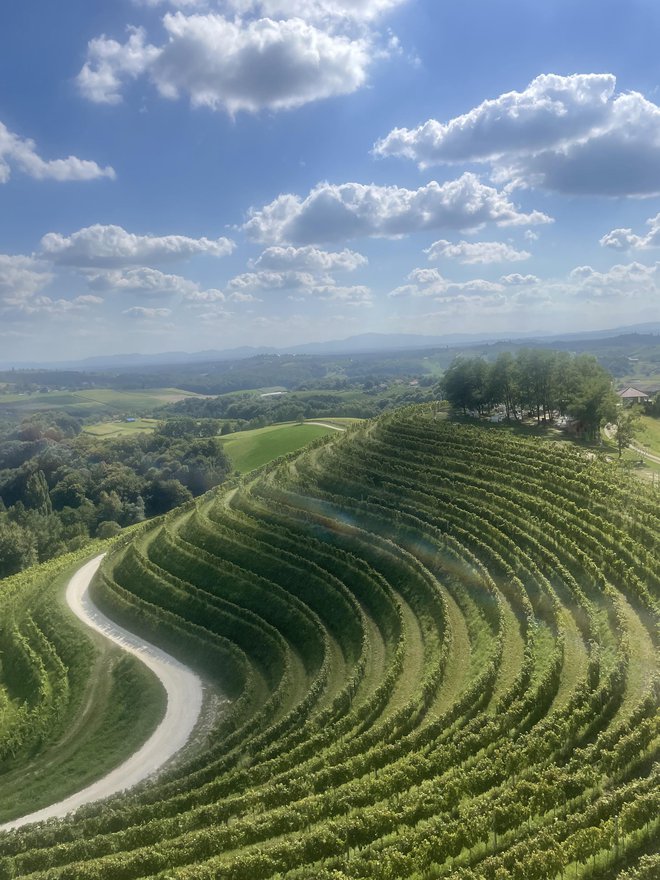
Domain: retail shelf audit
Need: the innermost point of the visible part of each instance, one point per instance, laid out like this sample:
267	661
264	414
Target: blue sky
193	174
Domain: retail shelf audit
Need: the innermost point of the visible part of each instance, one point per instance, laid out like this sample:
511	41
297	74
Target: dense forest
59	487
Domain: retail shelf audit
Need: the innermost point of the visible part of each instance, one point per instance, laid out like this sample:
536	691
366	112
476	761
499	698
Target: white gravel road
184	704
326	425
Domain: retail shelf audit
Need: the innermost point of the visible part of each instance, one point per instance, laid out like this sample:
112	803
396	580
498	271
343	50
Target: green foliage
189	427
68	711
439	645
626	427
59	492
593	400
538	383
107	529
17	547
163	495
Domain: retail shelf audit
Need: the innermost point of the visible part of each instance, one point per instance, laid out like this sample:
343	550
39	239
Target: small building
630	396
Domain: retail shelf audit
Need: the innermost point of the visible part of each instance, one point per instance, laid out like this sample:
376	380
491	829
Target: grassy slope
250	449
115	704
649	434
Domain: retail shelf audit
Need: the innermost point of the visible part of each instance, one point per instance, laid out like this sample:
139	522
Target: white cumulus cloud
431	283
355	296
231	64
552	110
626	239
141	280
21	278
255	65
337	212
114	247
313	10
110	63
309	259
623	281
570	134
517	280
205	297
267	280
470	252
298	285
89	299
21	153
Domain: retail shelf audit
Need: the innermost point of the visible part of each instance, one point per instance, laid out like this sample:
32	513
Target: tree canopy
536	383
59	487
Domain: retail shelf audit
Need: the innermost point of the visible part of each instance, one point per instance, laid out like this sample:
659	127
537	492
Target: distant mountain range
363	344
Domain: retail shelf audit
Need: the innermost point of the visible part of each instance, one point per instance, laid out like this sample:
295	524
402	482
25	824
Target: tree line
535	383
59	487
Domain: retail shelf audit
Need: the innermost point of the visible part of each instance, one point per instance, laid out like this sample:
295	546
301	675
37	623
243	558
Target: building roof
631	393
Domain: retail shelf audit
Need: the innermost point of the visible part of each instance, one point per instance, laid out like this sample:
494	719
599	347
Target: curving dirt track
184	704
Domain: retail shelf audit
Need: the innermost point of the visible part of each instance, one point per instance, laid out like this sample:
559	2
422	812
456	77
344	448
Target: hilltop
438	644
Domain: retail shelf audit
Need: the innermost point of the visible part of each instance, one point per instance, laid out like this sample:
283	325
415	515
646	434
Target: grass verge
112	712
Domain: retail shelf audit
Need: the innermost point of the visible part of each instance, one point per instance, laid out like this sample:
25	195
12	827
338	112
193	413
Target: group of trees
536	383
244	411
58	487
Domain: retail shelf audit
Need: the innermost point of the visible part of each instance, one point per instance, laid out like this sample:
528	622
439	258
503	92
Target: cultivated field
121	429
439	645
92	400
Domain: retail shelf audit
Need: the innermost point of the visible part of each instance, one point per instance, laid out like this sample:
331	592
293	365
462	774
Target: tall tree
503	385
465	384
593	401
36	493
626	427
17	547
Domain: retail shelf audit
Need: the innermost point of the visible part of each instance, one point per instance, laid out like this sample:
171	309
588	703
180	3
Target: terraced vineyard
439	643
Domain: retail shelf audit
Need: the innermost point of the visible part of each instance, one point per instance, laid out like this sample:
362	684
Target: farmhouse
631	395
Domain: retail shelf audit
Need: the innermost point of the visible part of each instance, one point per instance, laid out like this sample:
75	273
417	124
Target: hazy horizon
184	175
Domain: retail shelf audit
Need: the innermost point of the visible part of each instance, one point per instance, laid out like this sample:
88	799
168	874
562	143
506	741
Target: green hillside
438	641
121	429
248	450
71	704
104	401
